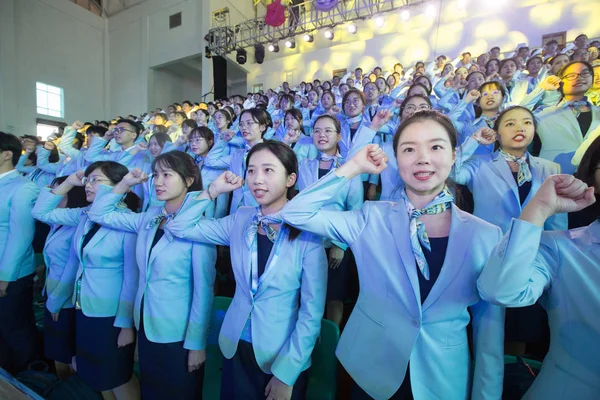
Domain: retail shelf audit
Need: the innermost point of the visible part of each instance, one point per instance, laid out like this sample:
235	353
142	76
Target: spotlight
461	4
405	15
274	48
430	11
241	56
259	53
328	34
290	43
308	38
352	28
379	21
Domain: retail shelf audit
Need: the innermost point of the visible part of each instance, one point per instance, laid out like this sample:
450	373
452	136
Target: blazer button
415	323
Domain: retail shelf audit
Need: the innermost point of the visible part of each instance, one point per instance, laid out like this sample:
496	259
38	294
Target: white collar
6	173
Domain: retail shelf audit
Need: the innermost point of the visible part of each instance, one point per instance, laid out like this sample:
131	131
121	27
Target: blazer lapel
402	240
537	177
94	240
501	168
151	253
455	256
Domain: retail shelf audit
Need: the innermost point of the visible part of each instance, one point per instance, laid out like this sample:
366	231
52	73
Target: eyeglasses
196	140
94	180
120	129
356	102
493	93
573	76
247	124
421	107
325	131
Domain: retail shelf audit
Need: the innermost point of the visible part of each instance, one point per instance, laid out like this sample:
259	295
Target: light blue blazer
75	160
287	308
176	276
37	175
57	252
350	198
389	326
17	226
561	136
562	269
106	266
495	191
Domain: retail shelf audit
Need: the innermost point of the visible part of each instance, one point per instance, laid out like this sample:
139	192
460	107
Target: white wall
476	29
56	42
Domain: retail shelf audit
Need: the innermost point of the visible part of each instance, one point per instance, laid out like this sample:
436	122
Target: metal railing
300	19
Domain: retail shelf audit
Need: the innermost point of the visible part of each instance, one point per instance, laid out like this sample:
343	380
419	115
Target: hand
49	145
485	136
228	135
550	84
380	119
371	159
126	337
333	111
372	192
181	140
225	183
276	124
277	390
109	135
77	125
195	359
134	177
3	288
291	136
76	178
55	316
472	96
141	146
494	77
558	194
335	257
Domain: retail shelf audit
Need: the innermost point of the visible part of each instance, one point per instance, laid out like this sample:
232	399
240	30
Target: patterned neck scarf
418	233
490	121
524	174
164	214
576	106
265	221
199	160
355	120
336	159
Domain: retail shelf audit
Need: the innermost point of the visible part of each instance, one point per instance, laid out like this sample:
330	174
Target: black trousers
19	344
243	379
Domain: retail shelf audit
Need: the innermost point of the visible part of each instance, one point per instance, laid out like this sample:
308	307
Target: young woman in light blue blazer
273	322
562	269
253	125
326	135
59	327
175	291
407	335
101	278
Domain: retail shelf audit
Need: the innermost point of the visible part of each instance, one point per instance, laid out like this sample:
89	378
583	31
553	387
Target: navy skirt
243	379
337	279
164	371
100	363
59	336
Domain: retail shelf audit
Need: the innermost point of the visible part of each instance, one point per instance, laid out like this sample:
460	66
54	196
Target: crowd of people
460	193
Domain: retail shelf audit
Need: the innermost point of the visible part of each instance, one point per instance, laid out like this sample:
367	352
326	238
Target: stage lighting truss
226	39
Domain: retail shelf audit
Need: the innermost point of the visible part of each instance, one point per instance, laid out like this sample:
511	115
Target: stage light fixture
274	48
290	43
461	4
352	28
379	21
259	53
308	38
241	56
430	11
405	15
328	34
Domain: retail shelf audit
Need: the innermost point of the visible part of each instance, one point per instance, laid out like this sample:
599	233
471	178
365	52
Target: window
174	20
257	87
47	128
50	100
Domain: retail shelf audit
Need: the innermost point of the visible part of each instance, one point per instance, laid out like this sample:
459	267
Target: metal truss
226	39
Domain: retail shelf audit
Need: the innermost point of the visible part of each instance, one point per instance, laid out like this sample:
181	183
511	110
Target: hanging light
430	11
405	15
290	43
274	48
461	4
379	21
328	34
308	38
352	28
